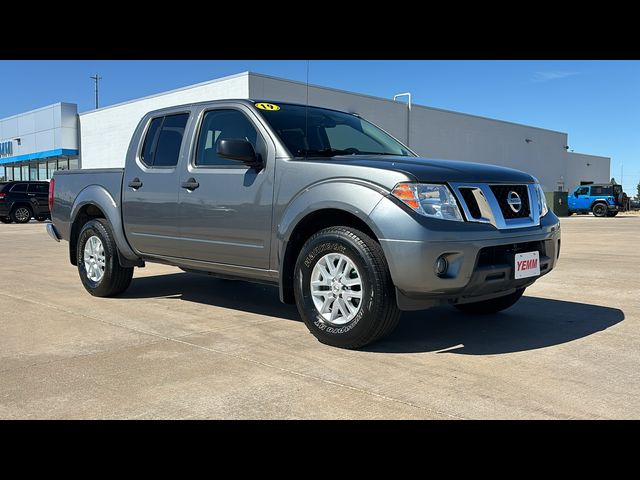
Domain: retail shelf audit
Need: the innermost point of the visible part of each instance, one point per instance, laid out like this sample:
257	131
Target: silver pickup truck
350	224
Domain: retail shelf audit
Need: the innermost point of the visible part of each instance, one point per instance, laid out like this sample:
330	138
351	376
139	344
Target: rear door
227	218
150	186
38	194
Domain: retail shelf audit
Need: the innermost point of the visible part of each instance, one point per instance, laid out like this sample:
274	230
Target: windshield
313	132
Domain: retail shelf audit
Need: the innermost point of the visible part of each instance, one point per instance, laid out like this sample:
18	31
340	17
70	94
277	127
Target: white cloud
552	75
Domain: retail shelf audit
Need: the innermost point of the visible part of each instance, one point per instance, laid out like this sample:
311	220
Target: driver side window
582	191
222	125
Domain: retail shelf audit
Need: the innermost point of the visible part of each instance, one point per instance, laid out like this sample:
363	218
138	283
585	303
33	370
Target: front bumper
480	257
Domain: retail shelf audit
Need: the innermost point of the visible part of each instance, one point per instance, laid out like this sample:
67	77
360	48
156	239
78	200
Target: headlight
542	201
430	200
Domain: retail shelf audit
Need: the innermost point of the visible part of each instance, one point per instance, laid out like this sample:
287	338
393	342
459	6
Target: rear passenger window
38	188
19	187
162	143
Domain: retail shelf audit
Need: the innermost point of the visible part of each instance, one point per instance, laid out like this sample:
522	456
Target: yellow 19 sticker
267	106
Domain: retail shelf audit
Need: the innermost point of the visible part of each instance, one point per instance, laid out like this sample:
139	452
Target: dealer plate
527	265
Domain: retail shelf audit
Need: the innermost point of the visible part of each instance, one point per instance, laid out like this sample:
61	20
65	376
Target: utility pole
96	78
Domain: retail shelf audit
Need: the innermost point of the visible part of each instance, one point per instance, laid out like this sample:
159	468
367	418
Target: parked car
602	199
350	224
21	201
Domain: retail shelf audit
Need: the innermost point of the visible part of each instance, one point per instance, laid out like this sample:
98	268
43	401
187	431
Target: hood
437	171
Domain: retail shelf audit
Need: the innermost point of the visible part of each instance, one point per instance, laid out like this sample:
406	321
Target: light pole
406	94
96	78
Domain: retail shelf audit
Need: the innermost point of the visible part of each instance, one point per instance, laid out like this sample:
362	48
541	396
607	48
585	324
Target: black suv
19	201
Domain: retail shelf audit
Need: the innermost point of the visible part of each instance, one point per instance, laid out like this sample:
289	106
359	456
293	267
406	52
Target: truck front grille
502	194
503	206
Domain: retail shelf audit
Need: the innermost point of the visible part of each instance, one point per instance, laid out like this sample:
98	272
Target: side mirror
240	150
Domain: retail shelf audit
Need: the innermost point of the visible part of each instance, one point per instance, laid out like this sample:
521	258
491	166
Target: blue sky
596	102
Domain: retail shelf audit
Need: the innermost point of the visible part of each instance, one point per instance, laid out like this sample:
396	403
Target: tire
612	214
373	316
21	214
491	306
599	210
41	218
105	277
569	213
5	219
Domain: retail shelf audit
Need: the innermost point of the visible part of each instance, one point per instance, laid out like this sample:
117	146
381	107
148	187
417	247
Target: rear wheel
21	214
491	306
41	218
612	214
599	210
343	288
97	258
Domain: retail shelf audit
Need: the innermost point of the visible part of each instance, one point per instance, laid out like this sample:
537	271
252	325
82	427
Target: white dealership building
36	143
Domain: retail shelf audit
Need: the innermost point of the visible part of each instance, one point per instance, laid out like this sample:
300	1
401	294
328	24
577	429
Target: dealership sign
6	149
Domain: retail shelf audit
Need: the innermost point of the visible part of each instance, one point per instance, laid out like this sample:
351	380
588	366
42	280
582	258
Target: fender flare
99	197
352	196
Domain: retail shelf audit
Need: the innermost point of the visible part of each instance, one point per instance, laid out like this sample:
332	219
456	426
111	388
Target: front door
579	199
150	188
226	218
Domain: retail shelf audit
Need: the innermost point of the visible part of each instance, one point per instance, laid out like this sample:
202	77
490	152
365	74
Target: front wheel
343	288
491	306
97	258
5	219
612	214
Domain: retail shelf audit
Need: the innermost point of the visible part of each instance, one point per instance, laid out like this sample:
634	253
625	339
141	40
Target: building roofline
179	89
271	77
589	155
37	110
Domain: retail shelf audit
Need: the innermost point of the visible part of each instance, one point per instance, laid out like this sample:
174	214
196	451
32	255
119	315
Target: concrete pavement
178	345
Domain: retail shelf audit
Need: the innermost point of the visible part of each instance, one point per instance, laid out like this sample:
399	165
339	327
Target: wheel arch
329	205
95	201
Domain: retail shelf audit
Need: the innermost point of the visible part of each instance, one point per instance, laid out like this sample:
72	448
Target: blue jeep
603	199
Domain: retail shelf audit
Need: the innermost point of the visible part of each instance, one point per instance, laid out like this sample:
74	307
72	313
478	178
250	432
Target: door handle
135	183
190	184
31	194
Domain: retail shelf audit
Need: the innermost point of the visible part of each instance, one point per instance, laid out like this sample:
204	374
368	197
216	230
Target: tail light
2	195
52	186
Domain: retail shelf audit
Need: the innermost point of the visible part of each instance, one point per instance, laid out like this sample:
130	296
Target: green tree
638	194
613	181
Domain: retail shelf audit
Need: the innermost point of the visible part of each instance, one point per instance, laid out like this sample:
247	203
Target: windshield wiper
324	152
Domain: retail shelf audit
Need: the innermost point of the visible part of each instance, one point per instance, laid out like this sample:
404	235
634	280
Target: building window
63	164
33	172
74	163
25	172
42	171
51	167
9	173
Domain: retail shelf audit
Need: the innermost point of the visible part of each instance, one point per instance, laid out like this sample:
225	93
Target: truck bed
71	183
